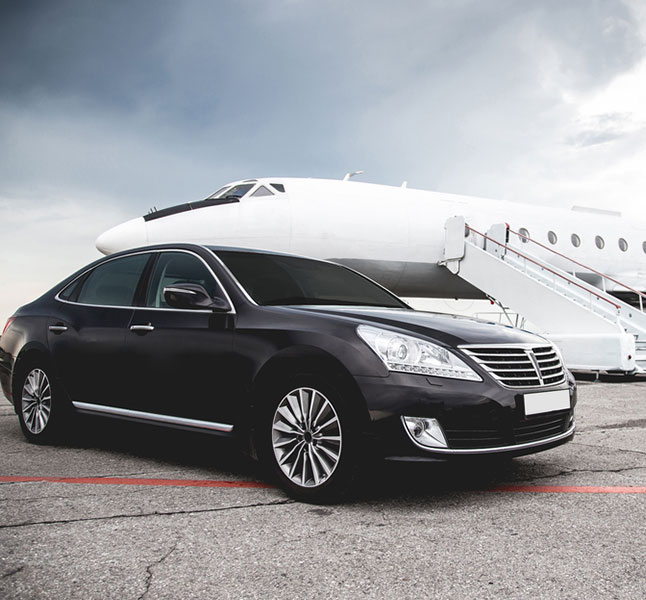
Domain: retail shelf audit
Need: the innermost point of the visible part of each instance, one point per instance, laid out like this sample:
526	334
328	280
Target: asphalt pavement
141	512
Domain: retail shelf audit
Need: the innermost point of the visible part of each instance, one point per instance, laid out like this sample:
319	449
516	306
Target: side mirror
193	296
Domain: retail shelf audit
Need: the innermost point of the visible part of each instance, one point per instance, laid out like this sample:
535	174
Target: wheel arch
31	353
306	360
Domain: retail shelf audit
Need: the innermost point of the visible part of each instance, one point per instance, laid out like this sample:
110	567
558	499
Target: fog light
425	432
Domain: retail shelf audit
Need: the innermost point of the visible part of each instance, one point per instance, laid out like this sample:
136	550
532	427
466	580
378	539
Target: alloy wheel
306	437
36	401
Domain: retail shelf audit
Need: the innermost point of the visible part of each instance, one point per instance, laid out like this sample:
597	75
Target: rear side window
174	268
71	291
114	283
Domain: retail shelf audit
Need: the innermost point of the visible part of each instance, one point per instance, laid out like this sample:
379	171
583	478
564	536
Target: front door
180	359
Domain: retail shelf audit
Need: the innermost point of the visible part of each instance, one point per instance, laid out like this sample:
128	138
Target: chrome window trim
233	277
523	446
155	417
132	306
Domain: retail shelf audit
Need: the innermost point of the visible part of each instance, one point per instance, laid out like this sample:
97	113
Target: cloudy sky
109	108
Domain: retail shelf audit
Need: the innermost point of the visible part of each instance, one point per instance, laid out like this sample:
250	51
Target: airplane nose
126	235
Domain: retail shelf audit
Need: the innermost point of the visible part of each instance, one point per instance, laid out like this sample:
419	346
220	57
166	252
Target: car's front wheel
310	441
41	405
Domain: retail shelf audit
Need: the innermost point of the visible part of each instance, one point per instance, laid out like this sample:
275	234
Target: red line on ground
570	489
130	481
212	483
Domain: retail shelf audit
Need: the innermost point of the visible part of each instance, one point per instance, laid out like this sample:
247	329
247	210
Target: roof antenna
348	175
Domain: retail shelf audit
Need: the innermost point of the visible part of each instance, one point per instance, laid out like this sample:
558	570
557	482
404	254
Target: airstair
593	329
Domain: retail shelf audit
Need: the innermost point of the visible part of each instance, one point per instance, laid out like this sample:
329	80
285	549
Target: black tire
300	451
43	408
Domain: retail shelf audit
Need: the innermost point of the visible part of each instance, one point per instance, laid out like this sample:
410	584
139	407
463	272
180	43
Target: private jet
578	274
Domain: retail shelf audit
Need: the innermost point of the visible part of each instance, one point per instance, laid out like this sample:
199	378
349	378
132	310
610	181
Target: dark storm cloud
167	99
107	52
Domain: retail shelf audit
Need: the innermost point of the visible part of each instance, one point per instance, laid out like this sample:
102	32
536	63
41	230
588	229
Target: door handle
58	328
148	327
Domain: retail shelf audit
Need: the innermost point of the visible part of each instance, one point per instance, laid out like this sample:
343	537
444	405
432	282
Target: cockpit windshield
237	191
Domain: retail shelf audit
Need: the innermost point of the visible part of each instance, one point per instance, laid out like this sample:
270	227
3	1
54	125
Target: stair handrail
641	295
542	266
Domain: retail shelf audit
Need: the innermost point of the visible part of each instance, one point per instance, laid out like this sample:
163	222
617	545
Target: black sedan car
314	367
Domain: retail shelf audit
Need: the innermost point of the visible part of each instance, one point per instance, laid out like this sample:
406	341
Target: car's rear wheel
41	405
310	440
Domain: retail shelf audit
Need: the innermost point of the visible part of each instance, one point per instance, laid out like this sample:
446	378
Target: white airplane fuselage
394	235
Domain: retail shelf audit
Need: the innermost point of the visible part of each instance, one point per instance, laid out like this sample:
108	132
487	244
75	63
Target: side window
114	283
71	291
178	267
262	191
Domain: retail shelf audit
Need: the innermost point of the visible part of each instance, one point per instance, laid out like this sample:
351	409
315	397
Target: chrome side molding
152	417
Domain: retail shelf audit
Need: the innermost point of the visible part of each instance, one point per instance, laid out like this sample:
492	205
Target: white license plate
543	402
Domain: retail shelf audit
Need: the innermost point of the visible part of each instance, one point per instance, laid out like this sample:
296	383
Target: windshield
273	280
237	191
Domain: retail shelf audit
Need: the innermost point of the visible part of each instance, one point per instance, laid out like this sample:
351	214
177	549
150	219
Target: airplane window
524	235
262	191
599	241
279	187
623	244
551	236
576	240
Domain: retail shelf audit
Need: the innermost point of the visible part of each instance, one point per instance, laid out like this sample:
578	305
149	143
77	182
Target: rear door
87	337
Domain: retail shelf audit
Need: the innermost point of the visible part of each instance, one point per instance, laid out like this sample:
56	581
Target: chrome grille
519	366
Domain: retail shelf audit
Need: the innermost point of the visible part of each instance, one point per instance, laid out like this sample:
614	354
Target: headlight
408	354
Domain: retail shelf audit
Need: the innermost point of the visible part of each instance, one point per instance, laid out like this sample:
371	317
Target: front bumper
478	418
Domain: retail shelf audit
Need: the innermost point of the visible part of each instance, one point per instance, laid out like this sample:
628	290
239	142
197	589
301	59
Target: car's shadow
382	481
173	449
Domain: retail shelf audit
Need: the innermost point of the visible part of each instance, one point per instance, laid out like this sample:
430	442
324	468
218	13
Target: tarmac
140	512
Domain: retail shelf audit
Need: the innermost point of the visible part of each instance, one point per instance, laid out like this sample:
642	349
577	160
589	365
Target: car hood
452	330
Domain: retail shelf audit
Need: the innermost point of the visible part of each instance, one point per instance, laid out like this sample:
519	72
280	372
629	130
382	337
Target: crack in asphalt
597	446
12	572
108	493
103	476
152	514
632	424
151	566
571	471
